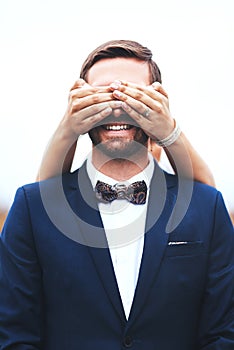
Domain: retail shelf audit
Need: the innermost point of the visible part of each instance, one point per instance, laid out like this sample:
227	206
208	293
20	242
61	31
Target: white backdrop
44	42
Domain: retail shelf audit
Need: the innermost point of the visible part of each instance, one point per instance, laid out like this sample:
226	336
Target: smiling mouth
112	123
117	127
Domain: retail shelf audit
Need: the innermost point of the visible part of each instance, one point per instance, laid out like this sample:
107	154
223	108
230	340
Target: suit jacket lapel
160	205
84	203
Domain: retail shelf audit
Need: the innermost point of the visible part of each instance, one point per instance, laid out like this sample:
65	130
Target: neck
120	169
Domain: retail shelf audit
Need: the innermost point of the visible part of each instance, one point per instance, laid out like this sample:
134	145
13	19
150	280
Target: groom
118	254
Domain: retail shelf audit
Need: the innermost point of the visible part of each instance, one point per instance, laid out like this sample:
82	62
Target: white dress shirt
124	225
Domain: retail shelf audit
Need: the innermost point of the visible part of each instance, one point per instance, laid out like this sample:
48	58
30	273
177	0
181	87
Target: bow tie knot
135	193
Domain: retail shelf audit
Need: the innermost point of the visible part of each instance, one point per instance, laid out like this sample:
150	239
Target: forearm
186	161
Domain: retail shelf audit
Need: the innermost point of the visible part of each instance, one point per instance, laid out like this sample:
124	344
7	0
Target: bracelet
169	140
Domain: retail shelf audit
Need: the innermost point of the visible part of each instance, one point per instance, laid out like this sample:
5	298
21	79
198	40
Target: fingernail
114	86
118	82
117	93
155	84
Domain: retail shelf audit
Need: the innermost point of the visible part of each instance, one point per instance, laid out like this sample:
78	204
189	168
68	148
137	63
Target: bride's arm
184	158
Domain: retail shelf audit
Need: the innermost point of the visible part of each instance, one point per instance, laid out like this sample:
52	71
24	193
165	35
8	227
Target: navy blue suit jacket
58	289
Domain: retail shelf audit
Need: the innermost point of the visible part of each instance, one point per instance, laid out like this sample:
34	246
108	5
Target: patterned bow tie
134	193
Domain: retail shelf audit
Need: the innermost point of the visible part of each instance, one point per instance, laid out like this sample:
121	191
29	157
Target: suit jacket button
127	342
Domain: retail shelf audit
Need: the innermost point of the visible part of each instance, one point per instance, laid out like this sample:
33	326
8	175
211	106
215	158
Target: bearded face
118	139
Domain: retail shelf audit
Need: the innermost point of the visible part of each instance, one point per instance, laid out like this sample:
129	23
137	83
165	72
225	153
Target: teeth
117	127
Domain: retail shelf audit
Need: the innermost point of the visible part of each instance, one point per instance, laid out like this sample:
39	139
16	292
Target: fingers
147	105
83	94
81	101
158	87
90	117
138	99
88	105
136	115
78	84
154	96
84	119
81	90
92	110
121	85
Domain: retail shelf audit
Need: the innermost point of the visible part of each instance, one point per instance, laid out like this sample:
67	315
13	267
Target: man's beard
119	148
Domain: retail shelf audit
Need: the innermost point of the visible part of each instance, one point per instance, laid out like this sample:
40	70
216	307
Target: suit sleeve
21	306
217	320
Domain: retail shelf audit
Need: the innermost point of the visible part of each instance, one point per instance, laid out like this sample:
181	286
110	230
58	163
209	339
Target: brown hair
121	48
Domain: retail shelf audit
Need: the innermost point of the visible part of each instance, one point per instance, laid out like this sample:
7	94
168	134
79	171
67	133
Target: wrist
65	133
171	138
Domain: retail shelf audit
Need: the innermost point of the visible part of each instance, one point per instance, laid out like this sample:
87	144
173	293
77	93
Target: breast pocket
184	248
184	269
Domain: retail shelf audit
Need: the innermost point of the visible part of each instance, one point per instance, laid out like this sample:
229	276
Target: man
118	254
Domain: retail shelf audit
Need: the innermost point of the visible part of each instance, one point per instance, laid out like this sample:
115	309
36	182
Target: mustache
123	119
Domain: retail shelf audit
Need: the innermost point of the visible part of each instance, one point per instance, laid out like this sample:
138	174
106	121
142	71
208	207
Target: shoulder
199	194
174	181
34	193
198	203
65	180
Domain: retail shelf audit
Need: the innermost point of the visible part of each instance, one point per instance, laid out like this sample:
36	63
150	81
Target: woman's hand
148	106
87	106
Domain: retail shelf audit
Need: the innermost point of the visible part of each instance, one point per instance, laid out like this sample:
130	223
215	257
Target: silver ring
146	113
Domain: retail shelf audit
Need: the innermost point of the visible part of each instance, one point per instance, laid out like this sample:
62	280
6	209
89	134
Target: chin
119	149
